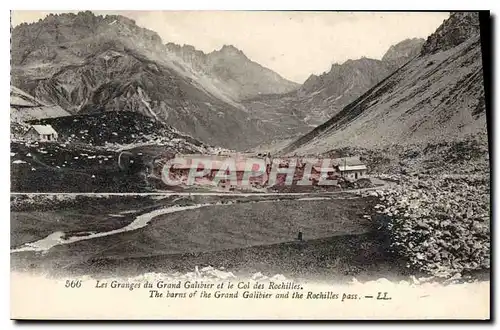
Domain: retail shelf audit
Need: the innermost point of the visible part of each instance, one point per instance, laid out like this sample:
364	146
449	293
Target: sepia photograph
256	165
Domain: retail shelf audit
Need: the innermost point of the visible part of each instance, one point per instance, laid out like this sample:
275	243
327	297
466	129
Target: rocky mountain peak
234	73
229	50
186	49
406	49
374	70
459	27
71	37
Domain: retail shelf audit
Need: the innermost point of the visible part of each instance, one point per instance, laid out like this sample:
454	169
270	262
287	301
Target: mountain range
233	72
420	91
320	97
86	63
436	97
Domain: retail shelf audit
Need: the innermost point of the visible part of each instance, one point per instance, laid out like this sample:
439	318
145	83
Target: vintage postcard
289	165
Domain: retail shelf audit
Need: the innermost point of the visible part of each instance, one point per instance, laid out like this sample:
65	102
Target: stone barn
351	168
41	133
353	172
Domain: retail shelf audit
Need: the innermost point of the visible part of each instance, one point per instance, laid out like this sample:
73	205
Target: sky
294	44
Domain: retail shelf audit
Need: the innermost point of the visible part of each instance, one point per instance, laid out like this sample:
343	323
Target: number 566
73	284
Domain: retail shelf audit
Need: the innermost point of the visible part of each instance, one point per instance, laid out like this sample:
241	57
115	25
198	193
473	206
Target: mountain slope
329	92
233	72
24	107
322	96
86	63
437	96
112	128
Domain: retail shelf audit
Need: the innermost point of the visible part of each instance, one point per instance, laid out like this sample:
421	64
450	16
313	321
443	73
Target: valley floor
133	234
136	234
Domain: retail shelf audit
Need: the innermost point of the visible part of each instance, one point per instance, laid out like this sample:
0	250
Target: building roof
355	160
344	168
44	129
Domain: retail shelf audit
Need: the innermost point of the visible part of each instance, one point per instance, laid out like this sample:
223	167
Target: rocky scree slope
25	107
